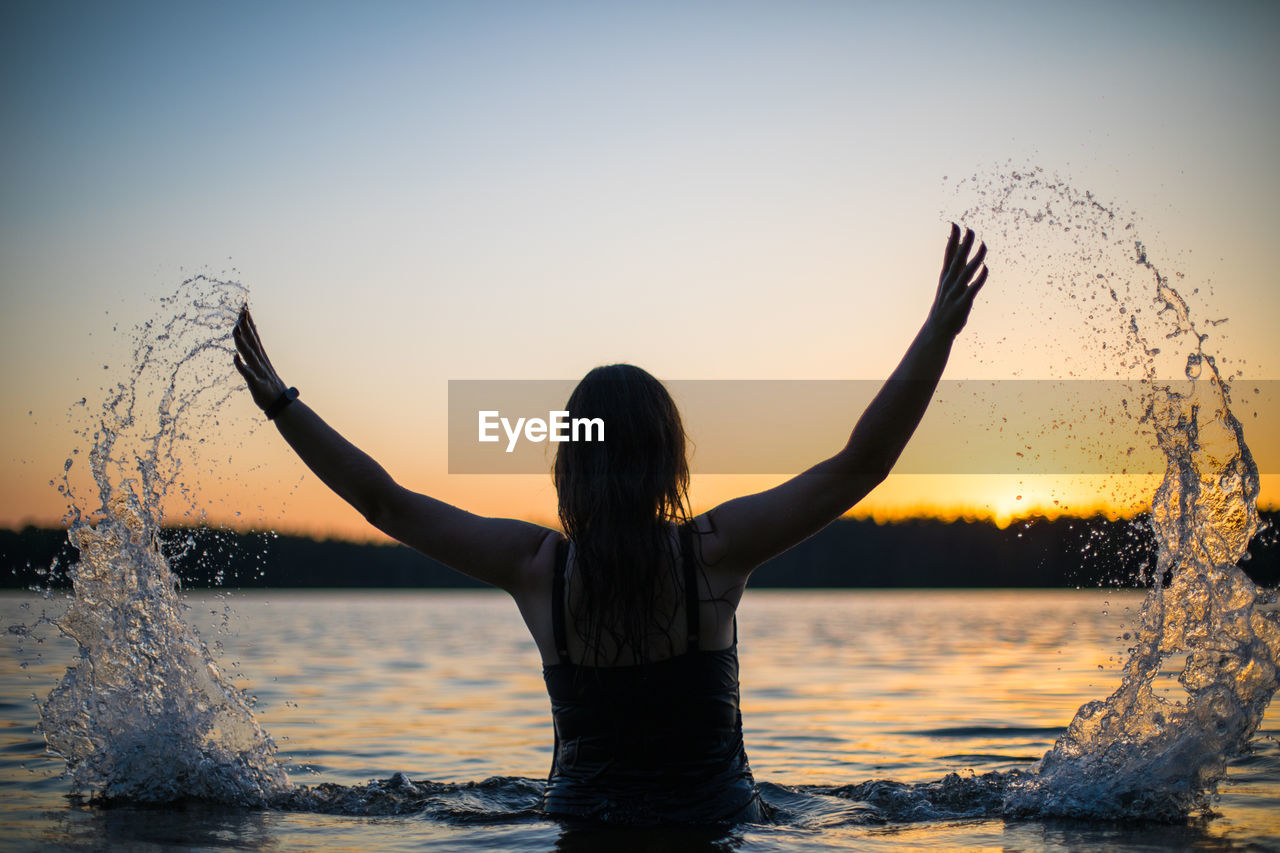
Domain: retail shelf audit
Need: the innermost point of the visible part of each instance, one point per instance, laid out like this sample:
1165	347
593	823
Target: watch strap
286	397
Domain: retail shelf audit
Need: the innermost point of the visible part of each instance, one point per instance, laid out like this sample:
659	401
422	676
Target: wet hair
617	501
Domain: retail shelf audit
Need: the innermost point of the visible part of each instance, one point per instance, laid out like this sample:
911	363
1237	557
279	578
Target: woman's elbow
376	508
866	469
856	484
375	515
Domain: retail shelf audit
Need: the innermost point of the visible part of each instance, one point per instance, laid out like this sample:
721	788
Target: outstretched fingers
973	289
953	243
244	348
961	257
972	267
964	272
252	363
247	341
245	361
249	359
959	269
252	330
257	342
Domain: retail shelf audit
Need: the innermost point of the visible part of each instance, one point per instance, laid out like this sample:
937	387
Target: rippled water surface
839	688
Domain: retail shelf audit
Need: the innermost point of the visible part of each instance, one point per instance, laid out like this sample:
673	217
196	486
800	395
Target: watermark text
557	427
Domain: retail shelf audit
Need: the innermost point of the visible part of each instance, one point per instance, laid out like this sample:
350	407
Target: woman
633	607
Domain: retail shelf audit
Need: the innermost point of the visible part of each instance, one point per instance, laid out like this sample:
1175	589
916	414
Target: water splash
1154	749
145	714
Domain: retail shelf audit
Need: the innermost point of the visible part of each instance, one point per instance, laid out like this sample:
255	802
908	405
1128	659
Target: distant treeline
1064	552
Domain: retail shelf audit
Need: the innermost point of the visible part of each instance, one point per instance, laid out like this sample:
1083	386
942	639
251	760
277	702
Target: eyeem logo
557	427
974	426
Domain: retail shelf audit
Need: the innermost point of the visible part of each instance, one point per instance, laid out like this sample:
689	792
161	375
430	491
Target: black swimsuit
651	743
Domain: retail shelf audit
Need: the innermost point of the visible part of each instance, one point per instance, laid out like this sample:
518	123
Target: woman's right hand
251	360
957	285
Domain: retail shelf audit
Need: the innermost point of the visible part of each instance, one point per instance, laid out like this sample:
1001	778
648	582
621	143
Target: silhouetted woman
633	606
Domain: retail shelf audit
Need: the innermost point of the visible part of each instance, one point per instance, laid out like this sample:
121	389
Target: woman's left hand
957	285
251	360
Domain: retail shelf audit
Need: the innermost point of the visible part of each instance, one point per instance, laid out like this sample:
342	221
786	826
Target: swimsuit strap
557	601
691	607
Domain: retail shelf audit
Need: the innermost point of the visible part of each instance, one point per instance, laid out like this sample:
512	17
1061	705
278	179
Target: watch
286	397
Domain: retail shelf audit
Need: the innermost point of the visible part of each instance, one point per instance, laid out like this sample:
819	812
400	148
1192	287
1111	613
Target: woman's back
647	743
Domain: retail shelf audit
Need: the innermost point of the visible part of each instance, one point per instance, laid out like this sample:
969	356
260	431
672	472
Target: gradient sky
417	192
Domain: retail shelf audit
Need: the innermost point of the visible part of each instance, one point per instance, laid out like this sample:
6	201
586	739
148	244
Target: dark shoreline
1034	553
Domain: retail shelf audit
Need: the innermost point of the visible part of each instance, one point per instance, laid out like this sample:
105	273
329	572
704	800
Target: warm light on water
839	687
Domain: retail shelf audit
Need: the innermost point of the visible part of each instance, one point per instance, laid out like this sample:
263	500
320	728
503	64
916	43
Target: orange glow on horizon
307	509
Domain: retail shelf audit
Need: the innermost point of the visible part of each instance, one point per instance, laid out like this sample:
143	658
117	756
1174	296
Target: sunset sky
417	192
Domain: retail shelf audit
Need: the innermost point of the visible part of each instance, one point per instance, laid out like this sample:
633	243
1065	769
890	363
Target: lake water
839	688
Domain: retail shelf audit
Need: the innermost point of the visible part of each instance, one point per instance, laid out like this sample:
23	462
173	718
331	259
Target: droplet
1195	365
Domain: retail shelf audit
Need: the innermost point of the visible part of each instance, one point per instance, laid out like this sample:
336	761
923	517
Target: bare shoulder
725	574
534	574
532	594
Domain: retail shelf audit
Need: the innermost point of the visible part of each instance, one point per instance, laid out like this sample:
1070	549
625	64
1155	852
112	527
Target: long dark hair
617	500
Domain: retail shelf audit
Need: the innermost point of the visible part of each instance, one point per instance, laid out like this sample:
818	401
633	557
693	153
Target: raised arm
496	551
742	533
